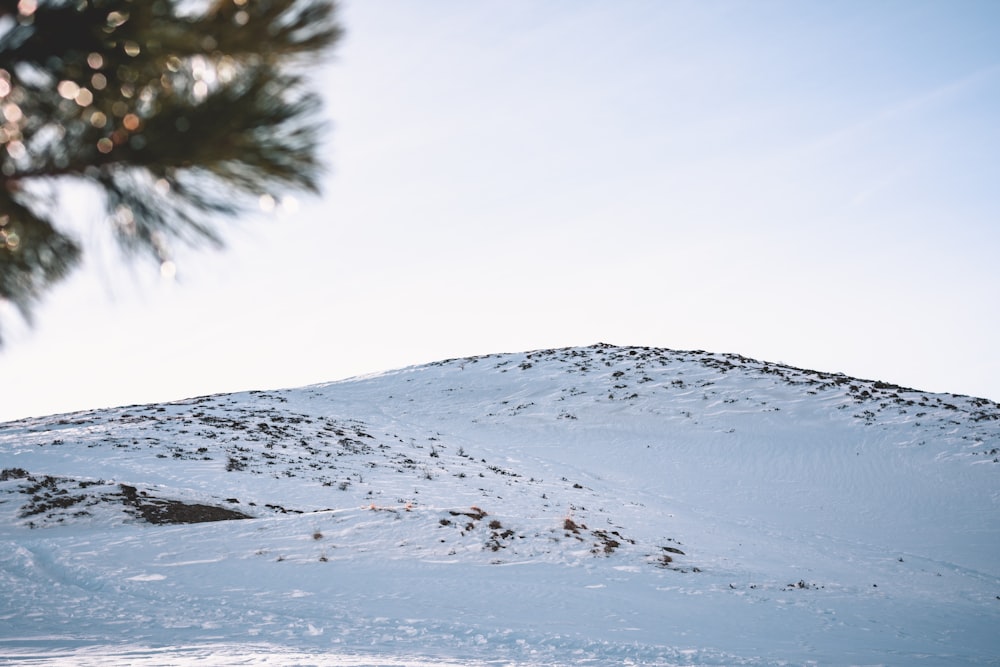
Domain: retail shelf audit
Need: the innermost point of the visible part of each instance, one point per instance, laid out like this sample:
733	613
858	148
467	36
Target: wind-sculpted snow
595	505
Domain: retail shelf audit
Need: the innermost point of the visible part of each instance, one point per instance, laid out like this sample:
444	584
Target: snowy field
583	506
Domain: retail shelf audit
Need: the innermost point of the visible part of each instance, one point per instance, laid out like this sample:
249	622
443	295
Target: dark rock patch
159	511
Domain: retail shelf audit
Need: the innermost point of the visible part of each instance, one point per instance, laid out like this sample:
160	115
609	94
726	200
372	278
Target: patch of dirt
158	511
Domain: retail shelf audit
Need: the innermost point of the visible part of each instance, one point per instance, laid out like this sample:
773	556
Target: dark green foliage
178	112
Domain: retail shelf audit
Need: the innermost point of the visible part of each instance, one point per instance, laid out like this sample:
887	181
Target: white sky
811	183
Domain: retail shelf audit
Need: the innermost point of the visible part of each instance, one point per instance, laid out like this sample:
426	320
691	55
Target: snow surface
585	506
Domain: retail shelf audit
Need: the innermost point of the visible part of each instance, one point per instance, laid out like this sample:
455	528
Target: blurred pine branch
179	112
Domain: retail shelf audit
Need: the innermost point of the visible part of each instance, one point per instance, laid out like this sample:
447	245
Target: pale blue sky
814	183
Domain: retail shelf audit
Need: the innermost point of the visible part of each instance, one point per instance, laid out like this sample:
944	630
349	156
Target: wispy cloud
904	108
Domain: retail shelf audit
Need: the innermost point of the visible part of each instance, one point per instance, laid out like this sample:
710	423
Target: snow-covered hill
595	505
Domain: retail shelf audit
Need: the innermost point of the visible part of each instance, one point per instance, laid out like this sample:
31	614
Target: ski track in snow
598	505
